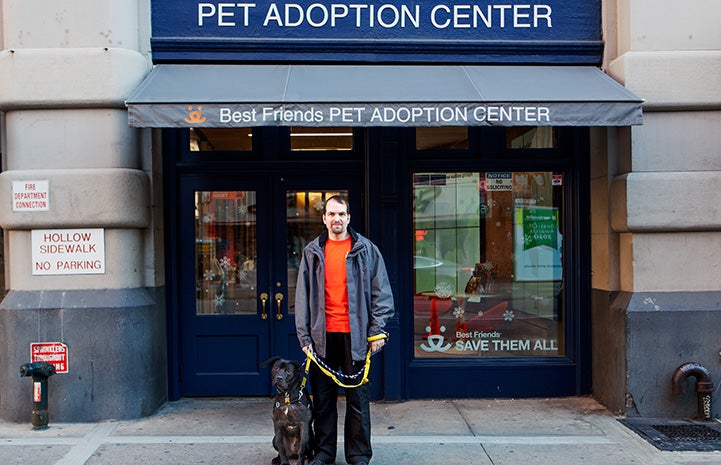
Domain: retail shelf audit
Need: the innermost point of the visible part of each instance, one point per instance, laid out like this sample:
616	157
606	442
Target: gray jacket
370	300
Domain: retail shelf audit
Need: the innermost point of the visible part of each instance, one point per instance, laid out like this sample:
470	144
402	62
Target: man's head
336	217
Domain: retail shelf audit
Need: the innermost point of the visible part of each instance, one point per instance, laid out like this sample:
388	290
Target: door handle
263	300
278	300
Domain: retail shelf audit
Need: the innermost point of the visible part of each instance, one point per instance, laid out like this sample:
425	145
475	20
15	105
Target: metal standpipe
704	386
40	372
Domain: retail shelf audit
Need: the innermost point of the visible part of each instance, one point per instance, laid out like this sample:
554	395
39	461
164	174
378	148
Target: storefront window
543	137
221	139
321	139
225	250
442	138
488	268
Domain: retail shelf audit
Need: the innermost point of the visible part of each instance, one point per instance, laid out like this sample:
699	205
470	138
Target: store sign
249	115
54	353
356	24
68	251
390	19
399	15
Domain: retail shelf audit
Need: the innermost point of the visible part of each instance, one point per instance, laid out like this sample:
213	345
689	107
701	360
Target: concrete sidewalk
566	431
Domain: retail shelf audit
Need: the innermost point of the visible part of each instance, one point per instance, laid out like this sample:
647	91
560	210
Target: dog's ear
269	362
297	365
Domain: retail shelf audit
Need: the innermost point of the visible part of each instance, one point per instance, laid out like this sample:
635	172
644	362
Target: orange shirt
336	286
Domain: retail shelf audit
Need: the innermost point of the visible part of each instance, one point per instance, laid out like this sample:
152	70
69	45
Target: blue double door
241	243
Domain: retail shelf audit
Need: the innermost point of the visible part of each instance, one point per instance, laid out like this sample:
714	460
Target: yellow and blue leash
336	375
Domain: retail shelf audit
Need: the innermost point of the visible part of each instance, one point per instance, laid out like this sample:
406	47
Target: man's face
336	218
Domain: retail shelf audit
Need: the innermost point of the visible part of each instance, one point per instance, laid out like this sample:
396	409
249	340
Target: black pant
357	426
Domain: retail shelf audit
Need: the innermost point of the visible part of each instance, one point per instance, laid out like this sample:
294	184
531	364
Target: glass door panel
488	265
226	252
305	223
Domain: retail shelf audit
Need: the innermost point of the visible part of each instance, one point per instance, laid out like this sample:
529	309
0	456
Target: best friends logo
435	341
195	116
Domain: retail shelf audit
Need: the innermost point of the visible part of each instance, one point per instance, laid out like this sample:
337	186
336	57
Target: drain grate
688	432
670	435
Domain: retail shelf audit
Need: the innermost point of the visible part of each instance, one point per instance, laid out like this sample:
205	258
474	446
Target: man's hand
377	345
305	349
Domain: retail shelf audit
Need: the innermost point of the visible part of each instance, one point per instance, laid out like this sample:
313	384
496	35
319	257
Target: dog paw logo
435	342
195	116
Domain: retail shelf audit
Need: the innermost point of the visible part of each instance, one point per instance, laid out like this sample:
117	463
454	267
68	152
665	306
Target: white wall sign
31	196
68	251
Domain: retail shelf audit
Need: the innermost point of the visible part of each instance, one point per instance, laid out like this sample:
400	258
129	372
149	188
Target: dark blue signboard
470	31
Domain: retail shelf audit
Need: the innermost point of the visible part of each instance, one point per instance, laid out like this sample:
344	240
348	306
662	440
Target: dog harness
336	375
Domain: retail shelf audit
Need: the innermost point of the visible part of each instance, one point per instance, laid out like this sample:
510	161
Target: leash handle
378	337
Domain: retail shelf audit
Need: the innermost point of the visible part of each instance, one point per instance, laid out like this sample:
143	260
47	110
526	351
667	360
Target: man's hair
337	198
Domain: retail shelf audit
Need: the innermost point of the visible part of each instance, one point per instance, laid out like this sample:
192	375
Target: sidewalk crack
465	420
487	455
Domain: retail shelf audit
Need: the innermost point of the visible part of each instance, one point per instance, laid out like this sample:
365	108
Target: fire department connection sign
68	251
31	196
55	353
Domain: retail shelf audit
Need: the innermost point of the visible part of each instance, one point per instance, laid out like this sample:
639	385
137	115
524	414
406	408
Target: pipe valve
704	386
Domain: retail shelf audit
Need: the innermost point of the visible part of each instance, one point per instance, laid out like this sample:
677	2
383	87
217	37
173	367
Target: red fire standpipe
704	386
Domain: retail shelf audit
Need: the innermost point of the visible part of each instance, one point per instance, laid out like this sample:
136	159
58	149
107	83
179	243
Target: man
343	298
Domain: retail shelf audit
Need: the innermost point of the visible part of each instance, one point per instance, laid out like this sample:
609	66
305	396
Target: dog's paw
276	461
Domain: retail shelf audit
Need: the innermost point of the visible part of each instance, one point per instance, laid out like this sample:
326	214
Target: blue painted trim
177	50
171	146
505	379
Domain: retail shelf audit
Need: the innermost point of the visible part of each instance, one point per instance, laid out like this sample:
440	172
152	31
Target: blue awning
380	95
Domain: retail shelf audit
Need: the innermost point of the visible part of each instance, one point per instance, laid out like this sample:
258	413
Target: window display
488	264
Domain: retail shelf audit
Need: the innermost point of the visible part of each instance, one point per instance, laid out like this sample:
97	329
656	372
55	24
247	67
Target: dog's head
284	374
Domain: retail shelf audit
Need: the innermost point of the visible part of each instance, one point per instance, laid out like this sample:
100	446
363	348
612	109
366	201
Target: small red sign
557	180
55	353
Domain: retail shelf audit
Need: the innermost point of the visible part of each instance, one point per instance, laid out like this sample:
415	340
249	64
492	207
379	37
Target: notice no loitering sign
68	251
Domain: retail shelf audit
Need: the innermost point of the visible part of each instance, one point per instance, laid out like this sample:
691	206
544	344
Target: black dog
291	414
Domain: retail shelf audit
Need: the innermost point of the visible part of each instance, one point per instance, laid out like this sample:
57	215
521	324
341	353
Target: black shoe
319	461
